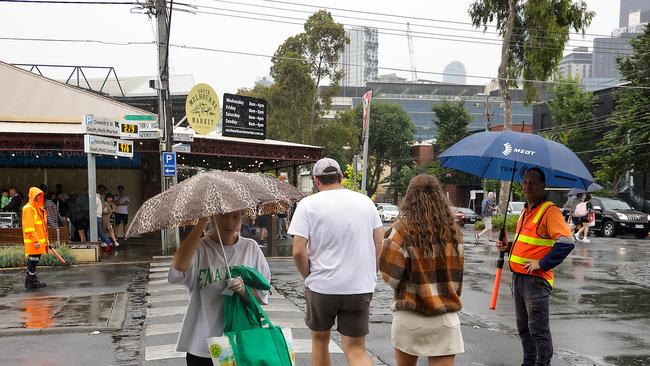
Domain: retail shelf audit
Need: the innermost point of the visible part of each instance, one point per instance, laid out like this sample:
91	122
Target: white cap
324	163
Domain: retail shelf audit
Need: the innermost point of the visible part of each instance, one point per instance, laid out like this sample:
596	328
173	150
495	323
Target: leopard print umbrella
210	193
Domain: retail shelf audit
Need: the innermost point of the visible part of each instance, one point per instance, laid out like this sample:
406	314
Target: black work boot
32	282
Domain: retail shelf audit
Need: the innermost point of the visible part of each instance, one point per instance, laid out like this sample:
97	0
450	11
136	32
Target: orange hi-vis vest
35	224
529	244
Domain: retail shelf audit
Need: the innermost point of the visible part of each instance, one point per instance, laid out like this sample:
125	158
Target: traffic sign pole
92	194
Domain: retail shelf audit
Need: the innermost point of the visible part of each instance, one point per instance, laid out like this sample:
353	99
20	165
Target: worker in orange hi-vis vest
34	235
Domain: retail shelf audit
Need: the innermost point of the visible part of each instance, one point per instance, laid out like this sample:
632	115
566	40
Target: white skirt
423	336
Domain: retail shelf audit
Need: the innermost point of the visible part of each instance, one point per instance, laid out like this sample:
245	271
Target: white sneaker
576	237
585	240
117	244
104	245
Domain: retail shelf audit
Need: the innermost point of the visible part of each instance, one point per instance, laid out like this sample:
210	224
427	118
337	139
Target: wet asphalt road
600	313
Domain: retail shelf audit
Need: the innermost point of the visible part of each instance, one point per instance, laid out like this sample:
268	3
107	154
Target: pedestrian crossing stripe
171	328
167	351
180	310
158	269
160	264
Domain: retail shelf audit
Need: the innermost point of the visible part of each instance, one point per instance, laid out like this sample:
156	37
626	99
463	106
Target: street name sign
140	117
182	148
169	163
244	117
100	126
101	145
183	137
149	134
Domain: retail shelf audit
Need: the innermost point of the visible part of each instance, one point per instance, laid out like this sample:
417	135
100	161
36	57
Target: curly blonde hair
427	222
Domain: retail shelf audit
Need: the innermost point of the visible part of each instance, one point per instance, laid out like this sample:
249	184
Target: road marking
281	307
158	269
160	264
171	297
162	352
159	282
166	311
304	346
295	323
157	275
156	329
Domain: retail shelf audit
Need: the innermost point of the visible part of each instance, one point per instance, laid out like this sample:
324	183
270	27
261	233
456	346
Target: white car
388	212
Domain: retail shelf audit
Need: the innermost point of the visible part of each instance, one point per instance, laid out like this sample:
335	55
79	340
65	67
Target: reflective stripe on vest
530	246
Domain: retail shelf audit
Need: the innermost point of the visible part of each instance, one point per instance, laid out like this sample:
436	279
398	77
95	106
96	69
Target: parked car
388	212
470	215
614	216
515	208
459	216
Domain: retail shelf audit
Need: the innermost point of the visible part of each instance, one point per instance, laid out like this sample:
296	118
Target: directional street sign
183	137
182	148
169	163
140	117
101	126
108	146
149	134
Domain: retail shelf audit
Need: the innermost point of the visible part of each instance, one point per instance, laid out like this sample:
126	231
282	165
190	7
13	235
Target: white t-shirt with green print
205	279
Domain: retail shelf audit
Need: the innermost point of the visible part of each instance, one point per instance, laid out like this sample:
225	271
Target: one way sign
169	163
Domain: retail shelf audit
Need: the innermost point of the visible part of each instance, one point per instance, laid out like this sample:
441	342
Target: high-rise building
359	59
454	73
633	17
577	64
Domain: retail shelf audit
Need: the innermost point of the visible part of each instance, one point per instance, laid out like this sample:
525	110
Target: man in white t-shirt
122	213
337	235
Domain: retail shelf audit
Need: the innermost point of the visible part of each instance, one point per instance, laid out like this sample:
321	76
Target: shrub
14	256
497	223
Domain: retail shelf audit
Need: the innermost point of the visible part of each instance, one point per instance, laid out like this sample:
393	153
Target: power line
390	31
244	53
381	20
624	147
408	17
71	2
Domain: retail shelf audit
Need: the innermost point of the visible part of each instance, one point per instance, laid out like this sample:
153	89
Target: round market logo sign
202	109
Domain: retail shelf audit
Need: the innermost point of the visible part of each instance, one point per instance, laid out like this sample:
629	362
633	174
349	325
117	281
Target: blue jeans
531	308
100	233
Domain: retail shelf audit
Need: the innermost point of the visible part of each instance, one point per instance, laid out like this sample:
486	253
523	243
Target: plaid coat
422	283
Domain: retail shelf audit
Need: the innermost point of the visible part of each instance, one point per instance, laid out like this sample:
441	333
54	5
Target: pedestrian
488	209
542	241
570	206
422	259
122	213
282	225
109	209
15	202
103	239
4	201
337	235
263	224
79	215
54	218
584	212
199	264
35	238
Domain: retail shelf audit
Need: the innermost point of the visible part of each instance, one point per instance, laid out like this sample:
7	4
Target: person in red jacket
34	220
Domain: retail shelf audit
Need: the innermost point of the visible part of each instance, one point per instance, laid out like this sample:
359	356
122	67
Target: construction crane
414	72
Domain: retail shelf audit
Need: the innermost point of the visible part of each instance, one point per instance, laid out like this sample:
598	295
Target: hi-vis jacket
35	223
538	230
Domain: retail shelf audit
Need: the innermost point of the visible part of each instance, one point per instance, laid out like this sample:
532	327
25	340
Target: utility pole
487	116
169	237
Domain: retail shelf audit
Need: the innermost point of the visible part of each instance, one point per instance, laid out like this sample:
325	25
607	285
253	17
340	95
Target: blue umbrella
507	156
494	155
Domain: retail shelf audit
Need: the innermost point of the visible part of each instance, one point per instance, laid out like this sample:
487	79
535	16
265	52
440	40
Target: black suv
615	216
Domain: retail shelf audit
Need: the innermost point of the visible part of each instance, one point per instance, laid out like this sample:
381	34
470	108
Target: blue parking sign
169	163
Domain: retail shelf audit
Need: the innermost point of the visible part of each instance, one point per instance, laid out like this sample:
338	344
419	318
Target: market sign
202	109
101	145
244	117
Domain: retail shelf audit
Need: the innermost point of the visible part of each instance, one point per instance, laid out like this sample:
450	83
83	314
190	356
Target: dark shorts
121	219
581	220
351	312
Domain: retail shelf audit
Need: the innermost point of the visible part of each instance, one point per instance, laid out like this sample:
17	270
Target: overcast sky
226	72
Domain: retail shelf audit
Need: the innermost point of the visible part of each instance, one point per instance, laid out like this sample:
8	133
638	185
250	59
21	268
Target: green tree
348	179
625	145
399	181
389	143
451	120
572	111
339	139
534	34
299	67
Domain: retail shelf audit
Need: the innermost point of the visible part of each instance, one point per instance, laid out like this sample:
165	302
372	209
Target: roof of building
134	86
31	98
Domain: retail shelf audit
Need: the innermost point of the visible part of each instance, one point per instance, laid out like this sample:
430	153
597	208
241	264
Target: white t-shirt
205	279
338	225
122	202
98	204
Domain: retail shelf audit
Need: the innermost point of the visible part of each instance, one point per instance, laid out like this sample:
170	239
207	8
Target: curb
59	330
40	268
